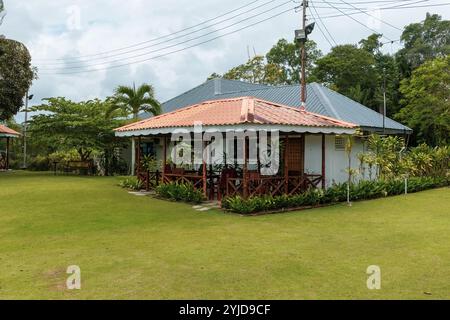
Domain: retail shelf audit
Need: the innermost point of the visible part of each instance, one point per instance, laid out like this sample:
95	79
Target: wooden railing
273	186
196	180
256	184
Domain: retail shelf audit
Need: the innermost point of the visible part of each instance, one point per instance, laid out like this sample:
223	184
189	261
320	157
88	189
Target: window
339	144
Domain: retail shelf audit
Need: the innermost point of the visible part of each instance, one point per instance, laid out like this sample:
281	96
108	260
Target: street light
27	98
302	34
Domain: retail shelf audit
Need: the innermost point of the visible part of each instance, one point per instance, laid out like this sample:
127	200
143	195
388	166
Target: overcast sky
78	31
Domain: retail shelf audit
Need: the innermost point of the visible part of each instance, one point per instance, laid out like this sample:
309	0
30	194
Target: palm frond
145	89
125	91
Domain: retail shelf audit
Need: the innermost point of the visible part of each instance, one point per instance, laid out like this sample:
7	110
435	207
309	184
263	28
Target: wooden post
323	161
164	159
245	171
286	165
138	162
204	176
7	153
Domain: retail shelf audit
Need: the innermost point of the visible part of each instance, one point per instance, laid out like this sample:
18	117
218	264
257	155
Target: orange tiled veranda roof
7	131
236	111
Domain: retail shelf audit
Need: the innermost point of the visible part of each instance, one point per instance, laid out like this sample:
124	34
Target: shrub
131	183
38	163
336	193
180	192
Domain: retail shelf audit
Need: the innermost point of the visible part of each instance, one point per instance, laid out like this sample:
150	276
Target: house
6	134
320	100
313	140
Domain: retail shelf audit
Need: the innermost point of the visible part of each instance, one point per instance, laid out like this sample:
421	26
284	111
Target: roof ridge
179	110
317	115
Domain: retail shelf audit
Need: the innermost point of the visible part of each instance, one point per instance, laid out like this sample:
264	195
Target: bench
82	167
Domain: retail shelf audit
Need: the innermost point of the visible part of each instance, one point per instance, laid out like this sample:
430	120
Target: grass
131	247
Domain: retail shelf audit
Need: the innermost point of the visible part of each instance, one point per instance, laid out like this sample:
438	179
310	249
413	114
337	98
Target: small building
315	138
6	134
308	157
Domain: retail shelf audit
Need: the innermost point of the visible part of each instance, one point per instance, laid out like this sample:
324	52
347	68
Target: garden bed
314	198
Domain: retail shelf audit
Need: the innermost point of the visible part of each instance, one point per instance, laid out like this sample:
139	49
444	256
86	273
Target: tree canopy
281	65
424	41
132	100
426	101
85	126
16	76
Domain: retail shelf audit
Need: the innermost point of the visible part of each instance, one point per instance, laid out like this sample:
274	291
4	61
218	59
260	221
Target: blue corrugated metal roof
208	91
320	100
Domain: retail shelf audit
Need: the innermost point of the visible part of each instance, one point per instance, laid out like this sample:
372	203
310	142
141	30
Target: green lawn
131	247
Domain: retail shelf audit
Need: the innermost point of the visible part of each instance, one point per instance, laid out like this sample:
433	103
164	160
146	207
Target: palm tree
133	101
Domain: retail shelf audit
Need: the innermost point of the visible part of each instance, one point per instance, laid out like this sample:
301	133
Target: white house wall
336	161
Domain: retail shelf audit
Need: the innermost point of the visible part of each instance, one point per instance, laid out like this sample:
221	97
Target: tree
133	101
426	102
280	66
286	56
423	41
387	76
64	125
16	76
2	11
253	71
350	71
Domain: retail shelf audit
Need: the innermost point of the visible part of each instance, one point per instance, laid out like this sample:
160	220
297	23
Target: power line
155	39
357	21
370	15
325	27
170	46
320	29
161	42
175	51
387	7
382	8
369	2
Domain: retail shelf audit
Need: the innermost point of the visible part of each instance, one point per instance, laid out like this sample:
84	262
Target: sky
158	41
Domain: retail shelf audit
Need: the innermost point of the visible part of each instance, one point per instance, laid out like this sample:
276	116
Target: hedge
337	193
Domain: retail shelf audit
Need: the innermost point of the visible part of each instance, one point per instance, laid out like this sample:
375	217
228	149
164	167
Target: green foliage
132	100
131	183
424	41
391	162
39	163
350	71
426	102
16	76
64	156
363	190
150	163
180	192
281	65
2	14
62	125
285	56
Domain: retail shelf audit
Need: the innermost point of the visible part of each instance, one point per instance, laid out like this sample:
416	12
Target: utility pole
27	97
303	56
384	101
301	36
